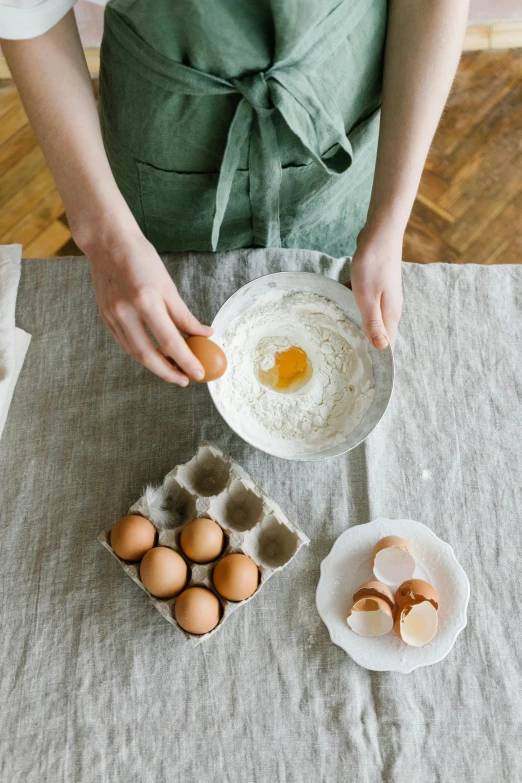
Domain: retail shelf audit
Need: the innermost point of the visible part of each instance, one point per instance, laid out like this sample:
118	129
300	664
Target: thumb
185	320
373	324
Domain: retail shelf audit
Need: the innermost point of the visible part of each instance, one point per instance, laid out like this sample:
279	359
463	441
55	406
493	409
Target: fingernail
184	382
380	341
198	375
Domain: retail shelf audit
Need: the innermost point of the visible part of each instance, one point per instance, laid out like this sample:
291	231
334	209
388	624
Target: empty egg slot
179	504
205	474
238	509
273	545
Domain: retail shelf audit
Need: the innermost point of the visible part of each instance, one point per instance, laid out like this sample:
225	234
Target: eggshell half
211	356
413	591
416	625
370	616
377	589
392	560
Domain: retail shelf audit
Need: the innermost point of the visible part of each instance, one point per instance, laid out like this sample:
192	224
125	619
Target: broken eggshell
392	560
377	589
416	624
414	591
370	616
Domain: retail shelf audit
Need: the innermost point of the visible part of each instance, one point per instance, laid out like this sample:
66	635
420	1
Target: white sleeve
20	19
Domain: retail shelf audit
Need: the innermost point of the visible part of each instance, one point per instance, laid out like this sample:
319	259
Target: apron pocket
178	210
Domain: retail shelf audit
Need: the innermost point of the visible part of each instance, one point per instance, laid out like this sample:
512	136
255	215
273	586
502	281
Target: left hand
376	283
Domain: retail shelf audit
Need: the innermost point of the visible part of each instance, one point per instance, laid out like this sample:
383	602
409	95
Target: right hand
135	293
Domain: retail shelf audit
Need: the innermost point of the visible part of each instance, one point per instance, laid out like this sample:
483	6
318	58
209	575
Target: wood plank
14	119
8	97
432	186
484	197
432	219
506	35
22	142
423	244
69	249
510	254
488	140
499	164
434	207
504	225
25	199
475	94
20	173
46	211
477	37
49	242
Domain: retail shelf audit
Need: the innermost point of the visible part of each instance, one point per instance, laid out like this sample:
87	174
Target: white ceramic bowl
382	361
349	565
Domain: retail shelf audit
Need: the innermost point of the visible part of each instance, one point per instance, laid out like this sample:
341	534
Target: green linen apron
230	123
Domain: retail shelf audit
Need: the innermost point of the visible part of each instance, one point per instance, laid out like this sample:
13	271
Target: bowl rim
310	456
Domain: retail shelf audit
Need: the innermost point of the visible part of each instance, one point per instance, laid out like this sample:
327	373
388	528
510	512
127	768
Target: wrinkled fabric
214	146
96	686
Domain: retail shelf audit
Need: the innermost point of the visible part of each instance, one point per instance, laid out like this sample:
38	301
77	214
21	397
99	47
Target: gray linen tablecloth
96	686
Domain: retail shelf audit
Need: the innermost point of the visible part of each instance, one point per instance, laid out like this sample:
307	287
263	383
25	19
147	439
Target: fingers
372	319
391	312
140	346
171	342
184	319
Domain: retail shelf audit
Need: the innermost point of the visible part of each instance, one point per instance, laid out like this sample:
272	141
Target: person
226	124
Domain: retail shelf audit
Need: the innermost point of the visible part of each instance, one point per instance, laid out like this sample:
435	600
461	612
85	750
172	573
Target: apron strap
292	86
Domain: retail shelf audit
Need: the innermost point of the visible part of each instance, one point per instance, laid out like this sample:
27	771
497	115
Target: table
96	686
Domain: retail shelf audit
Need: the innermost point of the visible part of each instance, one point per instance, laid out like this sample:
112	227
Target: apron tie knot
256	90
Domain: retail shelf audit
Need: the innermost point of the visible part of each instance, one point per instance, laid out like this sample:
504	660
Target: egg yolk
290	372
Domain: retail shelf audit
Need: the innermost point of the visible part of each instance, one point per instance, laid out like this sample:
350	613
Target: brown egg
202	540
132	536
236	577
413	591
376	589
163	572
211	356
197	610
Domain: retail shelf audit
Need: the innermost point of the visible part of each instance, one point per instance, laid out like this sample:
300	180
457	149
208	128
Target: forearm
51	74
423	47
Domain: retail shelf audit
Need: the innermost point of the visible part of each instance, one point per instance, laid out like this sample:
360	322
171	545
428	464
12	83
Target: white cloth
21	19
14	342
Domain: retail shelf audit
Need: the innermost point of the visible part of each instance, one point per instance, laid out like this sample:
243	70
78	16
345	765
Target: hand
376	283
135	293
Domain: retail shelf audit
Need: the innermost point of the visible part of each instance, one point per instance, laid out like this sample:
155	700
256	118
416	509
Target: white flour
322	412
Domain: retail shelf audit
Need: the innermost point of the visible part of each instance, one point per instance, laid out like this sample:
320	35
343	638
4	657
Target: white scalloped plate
349	565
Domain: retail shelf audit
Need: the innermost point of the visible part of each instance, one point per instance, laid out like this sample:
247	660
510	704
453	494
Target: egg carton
213	485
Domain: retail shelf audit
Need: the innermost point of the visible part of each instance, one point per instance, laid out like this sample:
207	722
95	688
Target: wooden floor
469	204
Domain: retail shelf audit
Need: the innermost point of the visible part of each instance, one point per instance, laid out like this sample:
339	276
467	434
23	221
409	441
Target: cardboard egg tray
213	485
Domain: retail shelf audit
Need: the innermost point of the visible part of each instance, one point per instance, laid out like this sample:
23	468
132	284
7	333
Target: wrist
381	228
103	230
